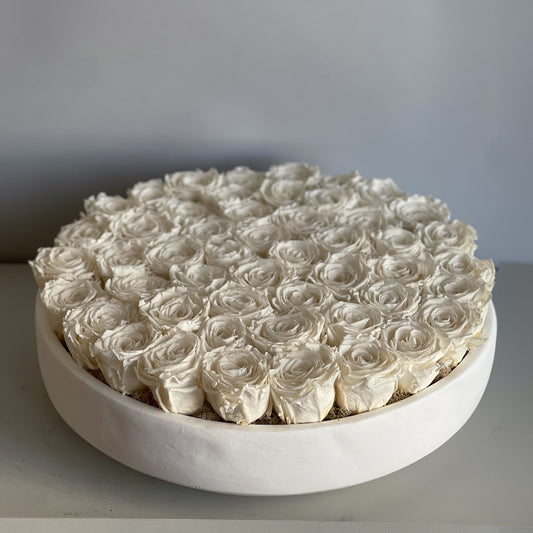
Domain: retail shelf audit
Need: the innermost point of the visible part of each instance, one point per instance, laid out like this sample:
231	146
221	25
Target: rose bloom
227	253
393	299
393	240
83	325
283	333
171	249
236	383
405	268
299	221
297	256
342	239
175	308
241	300
171	369
204	279
292	171
454	261
59	295
241	209
130	284
297	295
118	351
419	348
243	177
466	288
303	384
378	191
147	192
212	228
369	374
369	219
63	262
261	273
190	184
107	205
438	236
353	319
342	274
416	209
112	253
139	223
460	322
223	330
82	233
260	234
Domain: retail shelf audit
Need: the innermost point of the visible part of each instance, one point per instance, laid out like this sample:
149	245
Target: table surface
481	476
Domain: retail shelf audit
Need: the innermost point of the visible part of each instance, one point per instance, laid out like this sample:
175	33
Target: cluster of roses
287	289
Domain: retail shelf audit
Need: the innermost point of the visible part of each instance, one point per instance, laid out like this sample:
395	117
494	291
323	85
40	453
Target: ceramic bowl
259	459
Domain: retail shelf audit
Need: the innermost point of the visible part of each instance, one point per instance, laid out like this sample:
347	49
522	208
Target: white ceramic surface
262	460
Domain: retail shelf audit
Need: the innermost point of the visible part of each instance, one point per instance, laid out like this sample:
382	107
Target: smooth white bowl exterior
262	460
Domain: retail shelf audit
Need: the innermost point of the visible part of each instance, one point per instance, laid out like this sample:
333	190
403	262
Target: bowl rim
62	355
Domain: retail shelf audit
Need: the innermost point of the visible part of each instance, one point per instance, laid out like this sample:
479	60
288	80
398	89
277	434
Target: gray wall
96	95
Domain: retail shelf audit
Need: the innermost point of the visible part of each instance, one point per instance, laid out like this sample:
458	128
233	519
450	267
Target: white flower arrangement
286	291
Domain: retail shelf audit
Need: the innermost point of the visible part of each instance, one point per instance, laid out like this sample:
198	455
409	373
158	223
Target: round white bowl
259	459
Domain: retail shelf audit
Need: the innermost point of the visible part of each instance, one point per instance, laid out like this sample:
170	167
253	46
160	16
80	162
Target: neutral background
98	95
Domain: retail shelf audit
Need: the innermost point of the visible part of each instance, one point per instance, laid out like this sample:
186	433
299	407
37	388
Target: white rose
278	192
393	299
179	211
129	284
379	191
171	369
223	330
118	351
82	233
347	181
460	322
110	254
147	192
394	240
175	308
190	184
454	261
59	295
369	374
303	384
260	234
212	228
342	274
367	218
283	333
107	205
348	318
261	273
227	253
171	249
438	236
236	383
299	221
204	279
466	288
296	295
292	171
327	199
342	239
241	300
419	348
416	209
405	268
139	223
62	262
298	256
243	177
240	209
83	325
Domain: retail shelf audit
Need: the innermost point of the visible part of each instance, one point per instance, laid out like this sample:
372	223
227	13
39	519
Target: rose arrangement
287	290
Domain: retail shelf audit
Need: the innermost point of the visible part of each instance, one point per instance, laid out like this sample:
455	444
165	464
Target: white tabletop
483	476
